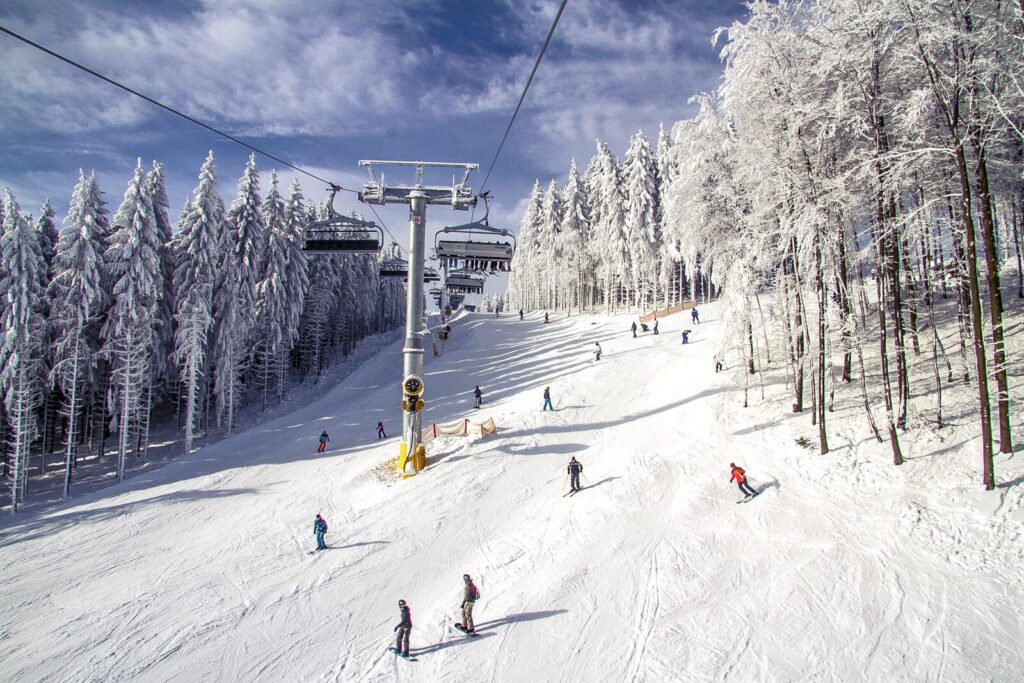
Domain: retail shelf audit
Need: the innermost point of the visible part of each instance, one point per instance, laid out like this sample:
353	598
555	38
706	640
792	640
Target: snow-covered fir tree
133	267
22	291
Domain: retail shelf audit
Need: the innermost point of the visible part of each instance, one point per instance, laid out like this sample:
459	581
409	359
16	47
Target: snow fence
460	428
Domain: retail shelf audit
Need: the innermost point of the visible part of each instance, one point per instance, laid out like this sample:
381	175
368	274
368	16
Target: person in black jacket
403	628
575	467
547	399
478	396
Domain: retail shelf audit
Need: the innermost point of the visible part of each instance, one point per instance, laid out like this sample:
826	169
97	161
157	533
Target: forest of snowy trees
861	166
119	318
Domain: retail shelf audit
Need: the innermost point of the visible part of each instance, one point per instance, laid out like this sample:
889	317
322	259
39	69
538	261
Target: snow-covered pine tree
604	188
551	267
522	285
22	325
164	372
47	240
197	260
132	265
640	224
574	234
77	297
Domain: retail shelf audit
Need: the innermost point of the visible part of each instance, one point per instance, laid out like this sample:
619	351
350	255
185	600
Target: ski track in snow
843	568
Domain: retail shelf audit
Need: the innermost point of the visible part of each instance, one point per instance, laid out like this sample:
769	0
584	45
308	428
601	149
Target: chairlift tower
459	197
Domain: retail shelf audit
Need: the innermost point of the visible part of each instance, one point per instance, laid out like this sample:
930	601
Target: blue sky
328	82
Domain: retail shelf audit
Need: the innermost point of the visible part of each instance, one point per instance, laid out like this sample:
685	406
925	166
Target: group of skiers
325	438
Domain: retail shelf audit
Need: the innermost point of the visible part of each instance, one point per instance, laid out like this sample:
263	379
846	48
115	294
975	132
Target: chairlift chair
338	234
394	265
473	253
464	282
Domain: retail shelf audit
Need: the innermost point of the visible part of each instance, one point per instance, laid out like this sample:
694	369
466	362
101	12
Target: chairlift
486	255
464	282
394	265
338	234
431	275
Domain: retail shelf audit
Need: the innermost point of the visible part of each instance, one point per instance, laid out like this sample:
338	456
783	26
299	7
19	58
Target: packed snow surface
843	568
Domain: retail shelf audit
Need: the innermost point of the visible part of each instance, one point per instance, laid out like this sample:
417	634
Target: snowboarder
520	314
323	442
655	326
469	596
740	477
319	529
545	316
380	430
597	351
686	336
403	628
633	329
547	399
575	467
478	397
695	316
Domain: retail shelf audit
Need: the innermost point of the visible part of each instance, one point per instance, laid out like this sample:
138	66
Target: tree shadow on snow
47	522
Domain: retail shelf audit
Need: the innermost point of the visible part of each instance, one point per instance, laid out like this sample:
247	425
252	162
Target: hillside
843	568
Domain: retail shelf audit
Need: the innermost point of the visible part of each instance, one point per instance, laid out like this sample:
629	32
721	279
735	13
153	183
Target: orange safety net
655	315
460	428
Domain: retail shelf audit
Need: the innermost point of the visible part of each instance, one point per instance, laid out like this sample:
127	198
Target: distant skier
655	326
478	397
575	467
470	595
695	316
740	477
319	530
633	329
545	316
323	442
403	628
686	336
497	313
520	314
597	351
380	430
718	363
547	399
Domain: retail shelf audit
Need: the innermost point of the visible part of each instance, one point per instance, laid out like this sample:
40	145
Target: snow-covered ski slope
844	568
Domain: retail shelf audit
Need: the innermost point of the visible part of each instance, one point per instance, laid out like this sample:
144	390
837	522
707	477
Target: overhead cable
163	106
522	97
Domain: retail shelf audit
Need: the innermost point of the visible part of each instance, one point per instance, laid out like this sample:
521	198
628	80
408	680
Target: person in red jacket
740	477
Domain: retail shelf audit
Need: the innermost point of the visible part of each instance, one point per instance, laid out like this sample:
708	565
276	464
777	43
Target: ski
405	657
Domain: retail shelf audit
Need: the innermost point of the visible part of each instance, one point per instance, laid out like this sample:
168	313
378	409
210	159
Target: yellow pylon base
419	458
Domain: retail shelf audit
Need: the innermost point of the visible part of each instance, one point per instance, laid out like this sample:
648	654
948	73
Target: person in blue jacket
323	442
547	399
319	529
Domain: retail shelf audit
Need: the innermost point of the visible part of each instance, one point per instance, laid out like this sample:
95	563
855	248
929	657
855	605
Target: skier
547	399
497	313
597	351
695	316
323	442
520	314
469	596
319	529
575	467
545	316
403	628
686	336
655	326
633	329
740	477
718	363
478	396
380	430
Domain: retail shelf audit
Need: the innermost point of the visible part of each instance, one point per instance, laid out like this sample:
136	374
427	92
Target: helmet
401	603
465	577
